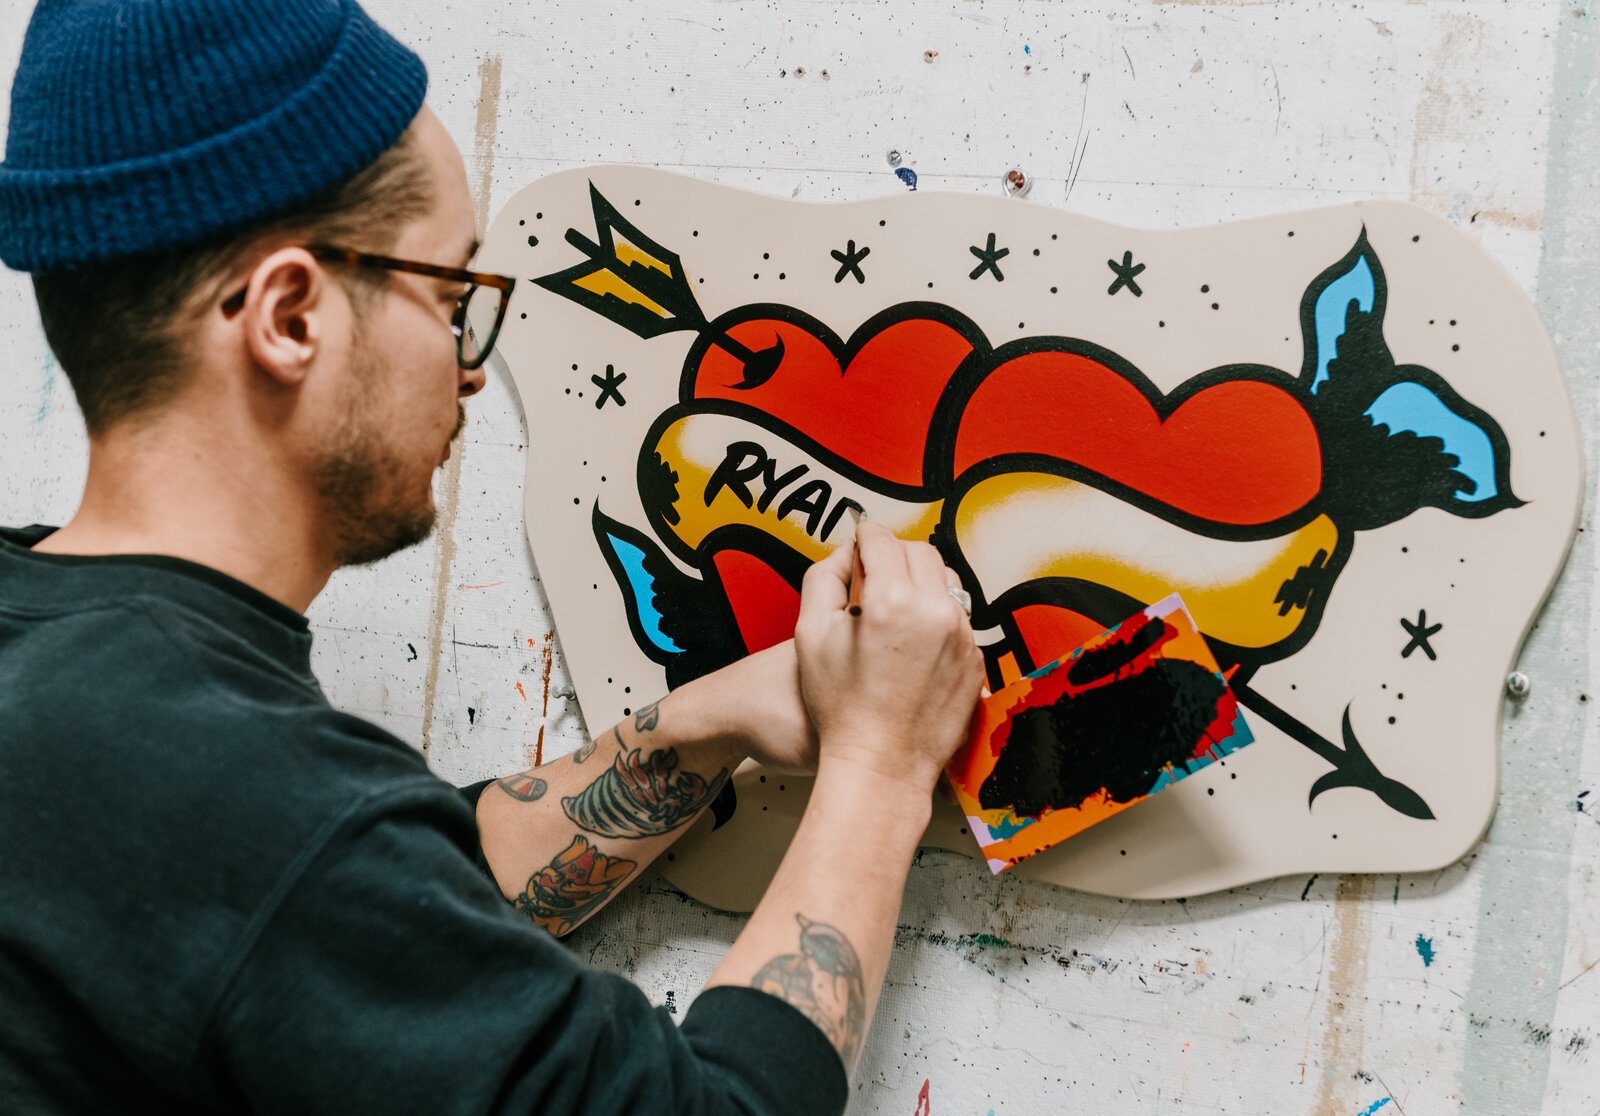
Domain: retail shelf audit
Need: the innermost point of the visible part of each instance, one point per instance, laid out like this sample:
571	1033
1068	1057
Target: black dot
1052	236
575	500
627	689
1163	325
1294	686
781	275
626	711
1455	348
1452	321
782	787
1400	697
1124	852
524	222
1211	790
1391	720
1335	836
1205	288
763	778
763	809
533	242
1541	433
1233	775
671	857
1214	306
757	275
569	391
1022	325
635	201
695	233
574	367
963	831
602	478
1036	251
609	681
930	286
1291	232
700	280
766	255
1415	239
1405	550
524	317
1431	321
1052	290
882	223
538	216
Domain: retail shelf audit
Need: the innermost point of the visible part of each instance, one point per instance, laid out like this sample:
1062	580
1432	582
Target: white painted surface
1303	995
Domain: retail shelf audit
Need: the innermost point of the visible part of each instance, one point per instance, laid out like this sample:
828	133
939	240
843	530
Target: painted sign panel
1341	435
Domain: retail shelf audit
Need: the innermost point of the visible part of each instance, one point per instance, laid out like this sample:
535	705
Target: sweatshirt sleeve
388	975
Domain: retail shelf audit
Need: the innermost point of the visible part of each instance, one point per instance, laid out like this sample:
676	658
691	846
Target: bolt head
1016	182
1518	684
895	158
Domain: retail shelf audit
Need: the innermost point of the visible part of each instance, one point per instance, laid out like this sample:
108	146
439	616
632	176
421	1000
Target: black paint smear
1103	662
1115	738
658	486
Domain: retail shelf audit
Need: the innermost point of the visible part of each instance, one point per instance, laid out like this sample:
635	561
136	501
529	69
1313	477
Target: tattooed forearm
642	797
825	982
647	718
575	883
523	786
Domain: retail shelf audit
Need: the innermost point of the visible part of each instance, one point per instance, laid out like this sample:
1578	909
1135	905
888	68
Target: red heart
873	411
1237	451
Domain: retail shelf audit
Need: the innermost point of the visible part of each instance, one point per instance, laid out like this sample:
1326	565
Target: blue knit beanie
139	125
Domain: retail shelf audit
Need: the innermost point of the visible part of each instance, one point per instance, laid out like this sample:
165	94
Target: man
248	240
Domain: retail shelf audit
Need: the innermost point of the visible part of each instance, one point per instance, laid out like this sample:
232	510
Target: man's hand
894	688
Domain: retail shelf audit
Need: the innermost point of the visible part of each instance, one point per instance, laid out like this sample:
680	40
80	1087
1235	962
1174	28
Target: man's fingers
883	558
927	569
826	586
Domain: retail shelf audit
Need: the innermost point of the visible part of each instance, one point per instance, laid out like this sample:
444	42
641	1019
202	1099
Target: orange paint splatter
523	694
486	585
547	657
923	1107
538	748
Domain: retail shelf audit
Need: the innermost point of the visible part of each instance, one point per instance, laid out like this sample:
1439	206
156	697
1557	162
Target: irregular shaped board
1341	435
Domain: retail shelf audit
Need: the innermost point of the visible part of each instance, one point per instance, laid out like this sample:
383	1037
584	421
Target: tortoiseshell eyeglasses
478	314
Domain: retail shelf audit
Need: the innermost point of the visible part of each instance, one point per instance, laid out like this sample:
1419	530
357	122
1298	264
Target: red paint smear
538	748
875	411
486	585
765	606
1240	451
923	1107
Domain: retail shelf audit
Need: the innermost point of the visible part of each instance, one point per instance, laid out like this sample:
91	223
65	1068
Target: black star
990	258
1420	632
1126	270
608	385
850	262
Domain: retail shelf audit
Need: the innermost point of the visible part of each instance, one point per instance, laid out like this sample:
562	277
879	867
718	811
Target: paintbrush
858	574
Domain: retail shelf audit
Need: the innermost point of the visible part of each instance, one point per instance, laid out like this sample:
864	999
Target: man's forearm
821	937
564	838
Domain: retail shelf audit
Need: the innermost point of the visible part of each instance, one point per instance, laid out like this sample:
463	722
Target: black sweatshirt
219	893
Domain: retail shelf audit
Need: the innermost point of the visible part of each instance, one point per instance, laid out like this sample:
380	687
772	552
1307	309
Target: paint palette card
1101	729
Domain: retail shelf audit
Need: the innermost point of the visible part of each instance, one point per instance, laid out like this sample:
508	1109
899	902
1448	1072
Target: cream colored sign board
1341	435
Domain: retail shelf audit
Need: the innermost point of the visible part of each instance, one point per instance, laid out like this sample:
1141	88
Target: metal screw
895	158
1518	684
566	693
1016	183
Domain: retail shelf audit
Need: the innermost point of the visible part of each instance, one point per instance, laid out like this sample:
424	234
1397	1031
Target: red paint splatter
486	585
923	1107
538	748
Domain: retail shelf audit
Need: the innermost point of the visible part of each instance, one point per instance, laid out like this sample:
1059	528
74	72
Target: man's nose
472	381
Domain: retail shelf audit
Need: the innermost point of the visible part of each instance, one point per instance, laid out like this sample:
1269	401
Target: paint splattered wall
1472	989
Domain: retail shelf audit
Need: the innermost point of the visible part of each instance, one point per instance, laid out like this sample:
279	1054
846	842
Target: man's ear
285	313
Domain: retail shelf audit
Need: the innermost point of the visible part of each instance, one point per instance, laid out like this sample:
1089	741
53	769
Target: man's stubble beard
361	480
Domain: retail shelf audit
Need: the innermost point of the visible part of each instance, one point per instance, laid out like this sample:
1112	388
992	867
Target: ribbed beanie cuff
333	90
